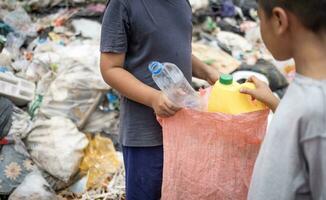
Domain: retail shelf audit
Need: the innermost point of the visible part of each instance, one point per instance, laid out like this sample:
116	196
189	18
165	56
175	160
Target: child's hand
262	93
163	107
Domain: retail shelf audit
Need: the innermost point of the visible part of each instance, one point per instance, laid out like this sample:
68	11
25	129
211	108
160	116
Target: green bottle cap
226	79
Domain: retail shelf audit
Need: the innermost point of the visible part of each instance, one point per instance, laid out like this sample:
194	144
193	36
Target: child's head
282	19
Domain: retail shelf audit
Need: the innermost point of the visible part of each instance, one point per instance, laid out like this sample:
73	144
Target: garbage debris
87	28
198	4
56	146
73	94
114	191
215	57
111	102
18	90
99	162
2	42
287	67
21	22
57	184
79	187
235	42
6	109
35	187
102	122
14	167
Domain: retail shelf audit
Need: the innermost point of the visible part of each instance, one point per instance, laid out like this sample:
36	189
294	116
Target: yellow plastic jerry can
226	98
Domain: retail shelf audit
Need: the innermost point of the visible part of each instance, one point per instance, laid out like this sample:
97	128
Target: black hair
311	13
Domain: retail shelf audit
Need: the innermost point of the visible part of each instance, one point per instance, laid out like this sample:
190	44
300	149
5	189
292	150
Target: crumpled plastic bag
100	161
57	146
21	123
234	41
100	122
87	28
210	155
73	94
33	187
21	22
198	4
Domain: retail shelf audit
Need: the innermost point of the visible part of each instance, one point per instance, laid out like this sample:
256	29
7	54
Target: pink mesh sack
210	156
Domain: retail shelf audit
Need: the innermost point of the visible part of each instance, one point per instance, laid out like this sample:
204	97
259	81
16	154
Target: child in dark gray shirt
291	164
135	33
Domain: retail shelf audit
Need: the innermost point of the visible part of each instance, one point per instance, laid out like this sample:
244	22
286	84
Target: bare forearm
199	69
273	104
127	85
203	71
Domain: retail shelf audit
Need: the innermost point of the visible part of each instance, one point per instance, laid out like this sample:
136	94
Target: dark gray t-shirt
146	30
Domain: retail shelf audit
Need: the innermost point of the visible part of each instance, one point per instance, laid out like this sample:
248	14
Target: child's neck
310	55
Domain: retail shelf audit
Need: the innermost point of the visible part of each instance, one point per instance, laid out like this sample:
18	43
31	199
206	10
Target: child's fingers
250	79
164	114
256	81
248	91
171	105
169	111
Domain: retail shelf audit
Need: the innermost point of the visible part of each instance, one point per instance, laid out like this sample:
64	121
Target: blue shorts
144	168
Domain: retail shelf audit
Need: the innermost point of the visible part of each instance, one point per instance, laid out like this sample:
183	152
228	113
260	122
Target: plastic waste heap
170	79
226	98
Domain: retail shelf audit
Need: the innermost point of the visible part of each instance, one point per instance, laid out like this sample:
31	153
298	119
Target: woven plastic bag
210	156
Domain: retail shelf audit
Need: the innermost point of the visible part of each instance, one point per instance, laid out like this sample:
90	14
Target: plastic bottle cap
226	79
155	67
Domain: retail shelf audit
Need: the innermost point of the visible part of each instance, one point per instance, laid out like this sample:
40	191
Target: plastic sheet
210	155
100	121
33	187
73	94
21	22
100	161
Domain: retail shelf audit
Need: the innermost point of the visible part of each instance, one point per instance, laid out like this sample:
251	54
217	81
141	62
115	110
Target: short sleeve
115	25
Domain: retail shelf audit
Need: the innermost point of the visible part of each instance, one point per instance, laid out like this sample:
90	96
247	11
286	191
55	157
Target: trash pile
227	37
59	120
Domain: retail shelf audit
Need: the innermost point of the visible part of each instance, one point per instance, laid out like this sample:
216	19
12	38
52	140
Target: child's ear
280	20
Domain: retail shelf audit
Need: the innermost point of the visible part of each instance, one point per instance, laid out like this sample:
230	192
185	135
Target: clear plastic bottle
170	79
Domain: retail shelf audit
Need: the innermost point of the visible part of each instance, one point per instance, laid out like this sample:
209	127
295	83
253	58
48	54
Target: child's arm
126	84
262	93
203	71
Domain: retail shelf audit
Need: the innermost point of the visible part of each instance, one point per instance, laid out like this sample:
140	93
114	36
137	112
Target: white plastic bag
33	187
100	121
73	93
198	4
87	28
20	21
57	146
